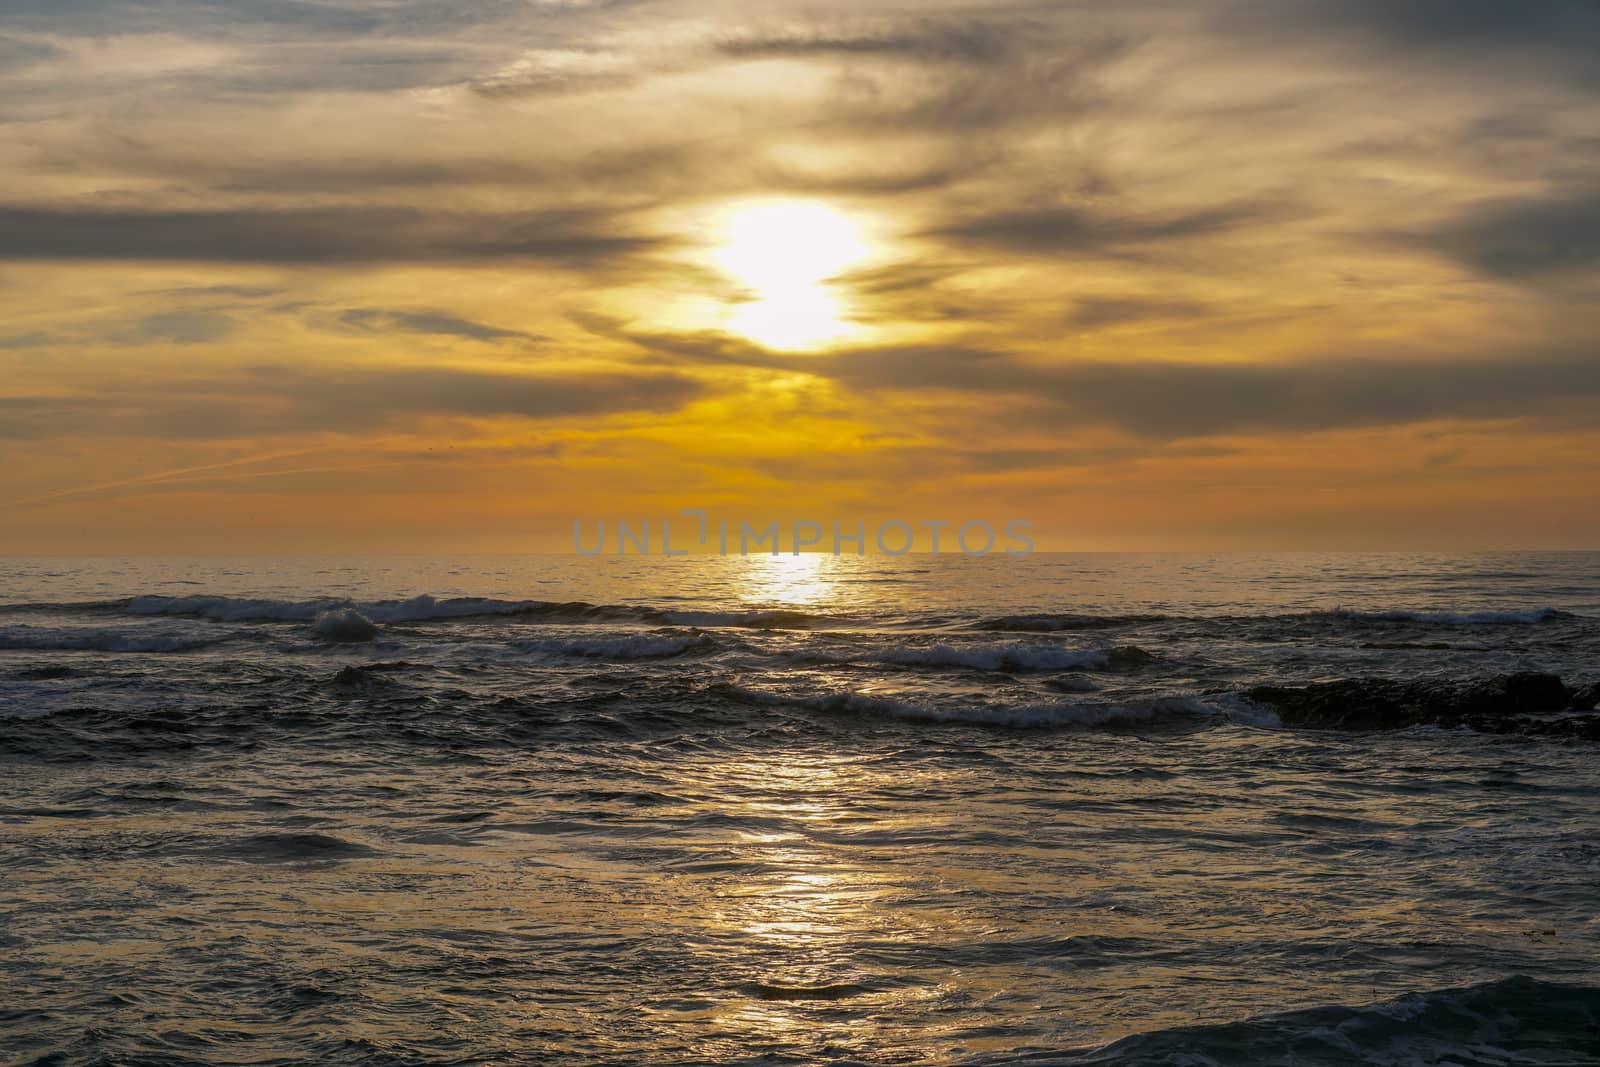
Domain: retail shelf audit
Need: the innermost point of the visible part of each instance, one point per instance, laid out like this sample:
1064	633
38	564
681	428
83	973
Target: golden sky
386	275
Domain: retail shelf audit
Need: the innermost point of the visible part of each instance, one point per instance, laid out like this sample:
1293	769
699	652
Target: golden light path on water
811	579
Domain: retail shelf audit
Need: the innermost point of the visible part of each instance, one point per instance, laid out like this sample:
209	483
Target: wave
345	624
42	639
1008	658
1520	702
416	609
1047	715
426	608
429	609
755	620
291	848
1057	623
1530	617
1002	657
1515	1021
639	646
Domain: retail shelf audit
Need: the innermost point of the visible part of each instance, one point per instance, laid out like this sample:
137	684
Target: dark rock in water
1500	704
1586	697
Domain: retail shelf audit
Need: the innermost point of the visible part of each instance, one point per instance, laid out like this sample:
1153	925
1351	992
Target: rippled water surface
932	810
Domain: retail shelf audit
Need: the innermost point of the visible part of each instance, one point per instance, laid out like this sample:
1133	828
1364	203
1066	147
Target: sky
343	276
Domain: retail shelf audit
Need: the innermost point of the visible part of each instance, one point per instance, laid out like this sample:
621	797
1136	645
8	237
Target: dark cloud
240	292
1469	39
1099	312
1170	400
438	391
180	328
982	43
583	72
311	236
352	17
435	323
1066	229
1053	80
16	55
282	400
926	40
1554	24
31	339
1524	238
1176	400
1011	460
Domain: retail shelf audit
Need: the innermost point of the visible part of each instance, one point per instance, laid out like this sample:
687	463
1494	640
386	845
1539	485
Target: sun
785	254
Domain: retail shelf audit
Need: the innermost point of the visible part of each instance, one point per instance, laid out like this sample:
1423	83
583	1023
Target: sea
925	810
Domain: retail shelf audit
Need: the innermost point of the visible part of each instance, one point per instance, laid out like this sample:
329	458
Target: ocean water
927	810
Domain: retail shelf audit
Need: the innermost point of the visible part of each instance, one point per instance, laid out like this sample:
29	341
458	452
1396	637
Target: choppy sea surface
795	810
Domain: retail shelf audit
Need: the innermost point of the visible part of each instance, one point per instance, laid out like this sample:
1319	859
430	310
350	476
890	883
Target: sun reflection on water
810	579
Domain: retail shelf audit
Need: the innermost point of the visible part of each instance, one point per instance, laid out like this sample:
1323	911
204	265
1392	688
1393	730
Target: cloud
434	323
1094	313
1173	400
274	400
562	70
1524	238
927	40
313	235
621	62
1178	400
180	328
17	55
1069	229
31	339
1540	38
1559	25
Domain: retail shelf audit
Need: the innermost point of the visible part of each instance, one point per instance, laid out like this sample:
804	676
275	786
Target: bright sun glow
785	253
